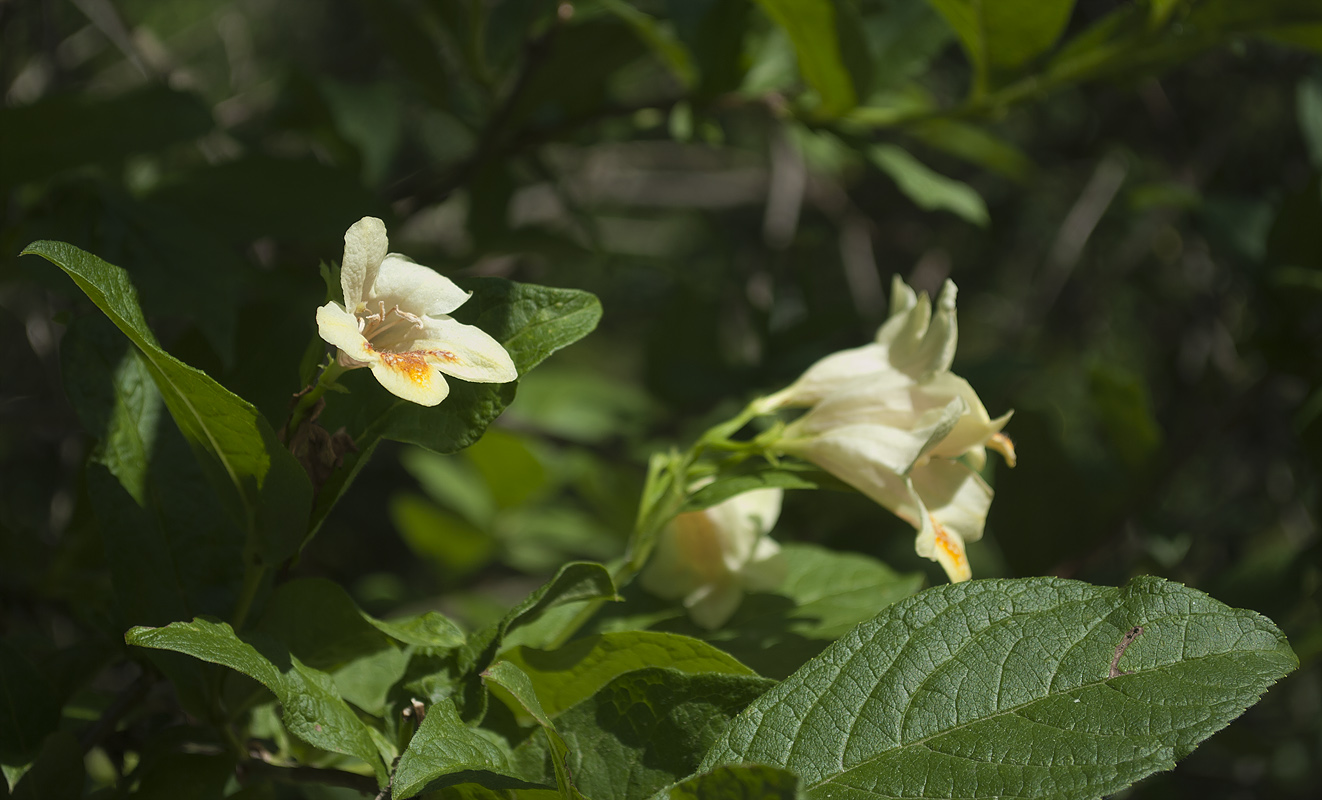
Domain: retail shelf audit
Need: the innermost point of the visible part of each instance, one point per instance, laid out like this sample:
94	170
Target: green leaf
111	390
313	709
445	752
1005	34
662	40
575	582
52	134
569	674
262	484
745	780
154	509
976	145
813	27
824	594
58	771
643	730
929	190
713	31
1004	688
28	708
515	681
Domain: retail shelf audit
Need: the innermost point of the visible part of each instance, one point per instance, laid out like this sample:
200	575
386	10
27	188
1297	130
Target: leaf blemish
1128	639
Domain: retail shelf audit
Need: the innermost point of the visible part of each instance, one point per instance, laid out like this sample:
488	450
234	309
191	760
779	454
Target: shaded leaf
260	481
313	709
643	730
57	772
1004	34
928	189
51	135
28	707
812	26
1012	687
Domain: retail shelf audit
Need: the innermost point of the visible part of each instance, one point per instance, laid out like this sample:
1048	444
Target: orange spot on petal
412	364
952	547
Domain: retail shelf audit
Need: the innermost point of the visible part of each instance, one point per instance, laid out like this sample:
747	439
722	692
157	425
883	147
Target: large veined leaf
569	674
1039	687
445	752
1004	34
313	708
258	478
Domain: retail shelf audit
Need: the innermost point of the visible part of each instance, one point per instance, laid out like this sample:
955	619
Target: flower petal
712	605
975	427
464	351
742	520
365	245
414	288
955	496
919	340
340	328
946	548
414	376
859	467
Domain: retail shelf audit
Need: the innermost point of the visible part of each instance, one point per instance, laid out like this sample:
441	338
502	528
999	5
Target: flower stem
308	400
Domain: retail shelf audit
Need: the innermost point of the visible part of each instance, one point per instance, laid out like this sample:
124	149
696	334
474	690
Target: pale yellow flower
395	319
891	420
708	559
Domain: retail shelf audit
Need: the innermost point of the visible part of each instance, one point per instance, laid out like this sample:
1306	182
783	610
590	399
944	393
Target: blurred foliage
1129	195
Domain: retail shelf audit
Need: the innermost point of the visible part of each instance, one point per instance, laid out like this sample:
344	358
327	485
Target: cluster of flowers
890	419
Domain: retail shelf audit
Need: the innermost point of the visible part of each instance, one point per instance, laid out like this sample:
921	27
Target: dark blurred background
1134	220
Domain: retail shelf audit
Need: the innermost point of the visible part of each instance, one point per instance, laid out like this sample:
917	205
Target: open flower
709	558
891	420
395	319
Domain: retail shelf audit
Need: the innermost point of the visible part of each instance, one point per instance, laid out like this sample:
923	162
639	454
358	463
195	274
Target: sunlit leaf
1028	688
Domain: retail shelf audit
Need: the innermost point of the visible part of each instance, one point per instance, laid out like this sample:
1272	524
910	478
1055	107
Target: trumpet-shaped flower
891	420
707	559
395	319
916	341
